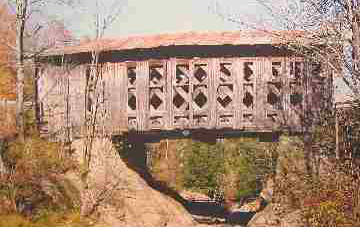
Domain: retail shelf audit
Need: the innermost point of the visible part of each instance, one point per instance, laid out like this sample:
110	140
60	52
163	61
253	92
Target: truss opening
131	75
201	99
178	101
200	119
155	75
224	102
248	72
248	118
200	73
273	117
273	99
182	74
276	69
225	73
248	100
181	120
132	102
155	101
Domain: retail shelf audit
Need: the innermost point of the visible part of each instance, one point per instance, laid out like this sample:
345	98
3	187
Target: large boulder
273	215
118	196
286	192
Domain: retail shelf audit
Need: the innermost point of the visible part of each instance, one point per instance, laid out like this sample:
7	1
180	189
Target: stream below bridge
210	213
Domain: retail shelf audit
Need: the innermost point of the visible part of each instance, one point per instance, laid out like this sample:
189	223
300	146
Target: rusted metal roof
245	37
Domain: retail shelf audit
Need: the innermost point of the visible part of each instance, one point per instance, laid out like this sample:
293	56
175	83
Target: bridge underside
180	97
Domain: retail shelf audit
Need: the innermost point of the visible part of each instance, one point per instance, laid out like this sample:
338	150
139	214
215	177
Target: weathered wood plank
191	91
214	68
170	77
239	94
142	95
122	84
247	86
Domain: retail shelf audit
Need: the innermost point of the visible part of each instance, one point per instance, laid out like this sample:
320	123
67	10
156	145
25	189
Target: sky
145	17
141	17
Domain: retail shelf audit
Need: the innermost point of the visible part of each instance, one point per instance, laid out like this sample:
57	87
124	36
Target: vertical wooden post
238	91
213	84
191	91
121	83
170	77
142	94
257	92
261	91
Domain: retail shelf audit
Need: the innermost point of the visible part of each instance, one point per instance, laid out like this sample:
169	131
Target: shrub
37	157
250	162
203	166
47	219
236	167
30	165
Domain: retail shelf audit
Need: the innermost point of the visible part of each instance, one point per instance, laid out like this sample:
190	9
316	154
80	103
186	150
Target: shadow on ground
205	212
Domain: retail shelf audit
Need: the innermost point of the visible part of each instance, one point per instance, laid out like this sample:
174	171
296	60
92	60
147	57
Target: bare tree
21	15
331	36
25	28
331	31
103	18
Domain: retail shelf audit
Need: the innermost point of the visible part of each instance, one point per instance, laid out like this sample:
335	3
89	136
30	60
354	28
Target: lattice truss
284	97
191	95
157	78
225	95
181	96
249	90
132	103
274	92
296	92
200	95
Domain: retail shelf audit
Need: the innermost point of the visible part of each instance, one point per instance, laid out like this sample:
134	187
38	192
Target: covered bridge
222	82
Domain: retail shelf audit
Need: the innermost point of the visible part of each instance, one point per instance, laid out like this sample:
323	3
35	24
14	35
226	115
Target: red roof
246	37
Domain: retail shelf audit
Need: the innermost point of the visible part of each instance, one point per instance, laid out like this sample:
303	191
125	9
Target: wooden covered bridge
220	82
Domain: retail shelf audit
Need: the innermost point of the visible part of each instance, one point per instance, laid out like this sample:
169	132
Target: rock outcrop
118	196
286	191
273	215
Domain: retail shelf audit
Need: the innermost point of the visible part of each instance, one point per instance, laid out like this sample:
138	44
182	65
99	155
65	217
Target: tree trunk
21	7
2	166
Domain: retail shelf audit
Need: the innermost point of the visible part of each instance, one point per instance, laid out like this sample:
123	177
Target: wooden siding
254	94
61	100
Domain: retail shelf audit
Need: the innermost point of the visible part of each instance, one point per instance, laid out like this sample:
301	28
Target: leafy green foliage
166	164
36	157
46	219
251	162
33	183
203	166
237	167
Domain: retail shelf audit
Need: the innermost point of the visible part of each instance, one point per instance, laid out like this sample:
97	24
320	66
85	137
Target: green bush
236	167
37	157
203	166
31	165
47	219
251	162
